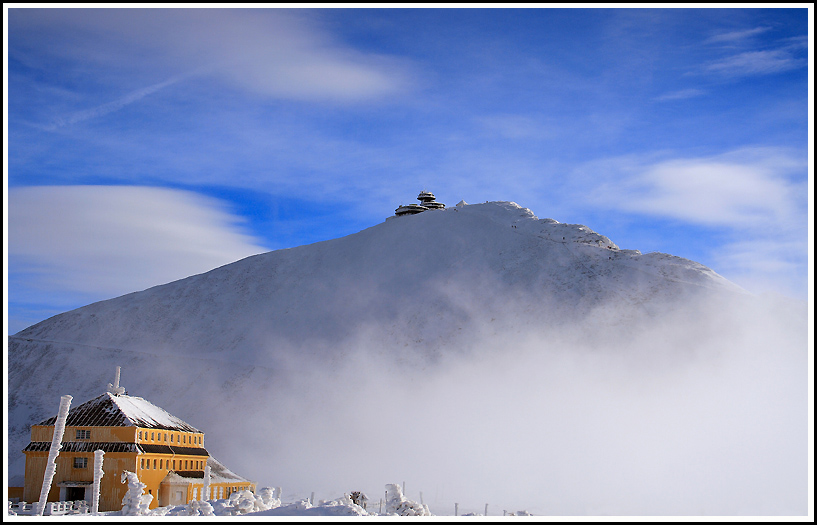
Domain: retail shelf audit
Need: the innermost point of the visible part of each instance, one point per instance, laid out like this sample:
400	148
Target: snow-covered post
97	476
205	493
56	445
486	509
456	509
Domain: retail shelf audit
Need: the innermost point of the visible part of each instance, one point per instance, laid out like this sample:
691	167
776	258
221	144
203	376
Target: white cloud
750	187
757	196
108	240
271	52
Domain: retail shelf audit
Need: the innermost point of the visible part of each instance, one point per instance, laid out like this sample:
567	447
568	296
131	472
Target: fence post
456	509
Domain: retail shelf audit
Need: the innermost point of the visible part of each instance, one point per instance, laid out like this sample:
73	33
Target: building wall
111	489
100	434
160	465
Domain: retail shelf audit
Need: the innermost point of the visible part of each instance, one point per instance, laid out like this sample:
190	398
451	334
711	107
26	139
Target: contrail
115	105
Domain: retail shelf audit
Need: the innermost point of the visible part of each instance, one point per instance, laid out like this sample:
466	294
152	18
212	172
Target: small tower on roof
114	388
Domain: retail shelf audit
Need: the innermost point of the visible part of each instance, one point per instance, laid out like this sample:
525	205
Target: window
174	464
165	436
154	464
152	438
160	464
171	438
185	464
147	464
184	439
140	434
83	434
80	462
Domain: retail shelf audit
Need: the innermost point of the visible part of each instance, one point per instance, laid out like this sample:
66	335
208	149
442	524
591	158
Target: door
74	493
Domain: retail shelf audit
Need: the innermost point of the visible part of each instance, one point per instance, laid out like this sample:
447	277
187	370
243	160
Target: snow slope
251	348
413	274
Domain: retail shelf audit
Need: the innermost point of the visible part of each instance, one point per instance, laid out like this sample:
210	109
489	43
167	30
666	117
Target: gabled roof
110	410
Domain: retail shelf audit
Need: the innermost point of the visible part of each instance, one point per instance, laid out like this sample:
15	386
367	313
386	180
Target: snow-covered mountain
226	350
416	275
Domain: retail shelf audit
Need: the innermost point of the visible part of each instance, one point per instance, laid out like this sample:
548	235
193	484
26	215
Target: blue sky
147	145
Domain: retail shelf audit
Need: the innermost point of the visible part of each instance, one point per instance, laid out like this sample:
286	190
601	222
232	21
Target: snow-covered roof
218	474
221	473
109	410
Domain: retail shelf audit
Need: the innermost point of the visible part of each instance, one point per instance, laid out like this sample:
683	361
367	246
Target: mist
699	410
486	368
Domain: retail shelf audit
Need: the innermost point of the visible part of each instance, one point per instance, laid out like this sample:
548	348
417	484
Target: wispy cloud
510	126
105	240
680	94
736	36
271	52
756	63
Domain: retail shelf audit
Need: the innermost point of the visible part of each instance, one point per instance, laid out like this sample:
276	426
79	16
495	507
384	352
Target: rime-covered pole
205	493
56	444
97	477
115	388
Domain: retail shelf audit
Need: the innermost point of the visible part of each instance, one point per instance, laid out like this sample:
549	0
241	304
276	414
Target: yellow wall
164	437
111	490
152	477
98	434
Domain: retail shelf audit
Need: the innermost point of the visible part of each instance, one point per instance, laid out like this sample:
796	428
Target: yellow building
167	455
